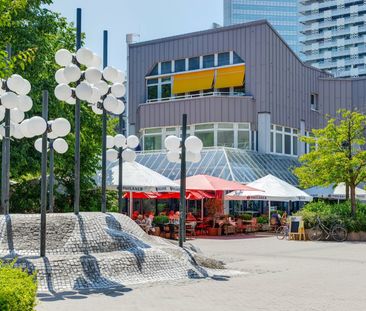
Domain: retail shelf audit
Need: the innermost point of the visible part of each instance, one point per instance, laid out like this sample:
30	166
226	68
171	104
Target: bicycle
282	232
337	232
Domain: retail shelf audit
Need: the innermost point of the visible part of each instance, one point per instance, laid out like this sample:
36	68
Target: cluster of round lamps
127	145
101	89
193	149
56	130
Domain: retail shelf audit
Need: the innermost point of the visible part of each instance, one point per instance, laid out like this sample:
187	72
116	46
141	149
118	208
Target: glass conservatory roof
232	164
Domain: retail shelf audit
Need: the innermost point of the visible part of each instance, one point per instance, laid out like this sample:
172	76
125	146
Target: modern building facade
244	91
334	36
282	14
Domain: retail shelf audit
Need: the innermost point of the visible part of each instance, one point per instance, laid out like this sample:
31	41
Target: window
166	87
237	59
239	89
279	143
284	140
224	59
155	70
194	63
152	90
152	142
205	132
208	61
152	139
314	105
225	134
180	65
166	67
244	135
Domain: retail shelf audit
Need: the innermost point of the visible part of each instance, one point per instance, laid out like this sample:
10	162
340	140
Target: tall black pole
44	176
182	206
120	168
5	159
104	131
77	125
52	177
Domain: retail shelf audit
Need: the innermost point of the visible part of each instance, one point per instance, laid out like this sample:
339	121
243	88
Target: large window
225	135
159	89
152	139
152	89
244	135
166	88
284	140
206	133
232	135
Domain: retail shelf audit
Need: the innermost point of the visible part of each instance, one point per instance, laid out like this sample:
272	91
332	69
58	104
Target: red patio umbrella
211	183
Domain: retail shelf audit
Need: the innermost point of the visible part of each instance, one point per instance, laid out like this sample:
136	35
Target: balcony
333	23
201	94
330	44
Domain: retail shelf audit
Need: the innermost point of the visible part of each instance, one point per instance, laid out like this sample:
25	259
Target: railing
189	96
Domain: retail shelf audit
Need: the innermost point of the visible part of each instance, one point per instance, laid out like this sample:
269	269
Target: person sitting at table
176	218
171	216
135	214
148	224
190	217
139	219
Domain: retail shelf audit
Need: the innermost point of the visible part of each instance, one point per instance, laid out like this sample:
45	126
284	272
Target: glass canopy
232	164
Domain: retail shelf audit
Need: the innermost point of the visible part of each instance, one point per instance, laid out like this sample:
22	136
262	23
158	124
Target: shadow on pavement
83	294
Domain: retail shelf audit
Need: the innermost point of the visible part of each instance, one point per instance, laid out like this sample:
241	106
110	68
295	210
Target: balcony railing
190	96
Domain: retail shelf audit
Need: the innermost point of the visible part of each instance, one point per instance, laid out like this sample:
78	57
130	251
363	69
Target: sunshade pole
182	207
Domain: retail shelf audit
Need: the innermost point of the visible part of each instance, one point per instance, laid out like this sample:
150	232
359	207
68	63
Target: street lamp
14	102
182	150
124	152
99	88
56	129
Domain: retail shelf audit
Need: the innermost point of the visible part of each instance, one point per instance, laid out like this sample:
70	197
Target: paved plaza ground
277	275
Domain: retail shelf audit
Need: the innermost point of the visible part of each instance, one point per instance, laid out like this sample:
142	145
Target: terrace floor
277	275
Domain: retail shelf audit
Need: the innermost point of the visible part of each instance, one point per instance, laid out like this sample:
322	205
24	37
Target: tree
32	27
337	154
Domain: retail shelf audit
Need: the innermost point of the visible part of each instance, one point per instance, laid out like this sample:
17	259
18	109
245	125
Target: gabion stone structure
96	250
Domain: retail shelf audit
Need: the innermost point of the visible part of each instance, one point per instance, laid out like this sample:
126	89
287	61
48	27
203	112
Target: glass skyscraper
282	14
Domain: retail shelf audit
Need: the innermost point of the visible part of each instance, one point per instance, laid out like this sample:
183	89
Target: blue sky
150	18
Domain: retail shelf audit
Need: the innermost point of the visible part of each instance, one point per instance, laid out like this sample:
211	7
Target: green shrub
161	220
262	219
334	213
246	216
18	289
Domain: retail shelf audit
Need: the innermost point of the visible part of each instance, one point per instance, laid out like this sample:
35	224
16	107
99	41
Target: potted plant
263	222
159	222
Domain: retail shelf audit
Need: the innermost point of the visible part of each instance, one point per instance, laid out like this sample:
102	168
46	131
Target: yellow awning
193	81
230	76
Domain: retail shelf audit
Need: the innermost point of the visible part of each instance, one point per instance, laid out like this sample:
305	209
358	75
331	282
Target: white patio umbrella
139	178
274	189
334	192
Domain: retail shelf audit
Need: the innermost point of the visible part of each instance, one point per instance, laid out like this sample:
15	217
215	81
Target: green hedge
334	213
18	289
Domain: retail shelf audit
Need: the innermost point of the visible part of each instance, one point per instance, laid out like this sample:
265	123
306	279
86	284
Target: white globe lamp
120	141
25	103
63	92
60	145
110	141
9	100
110	74
84	91
93	75
37	125
132	141
112	155
129	155
172	143
118	90
72	73
194	144
61	127
63	57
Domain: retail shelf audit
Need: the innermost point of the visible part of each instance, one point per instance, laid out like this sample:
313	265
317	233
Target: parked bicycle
320	231
282	232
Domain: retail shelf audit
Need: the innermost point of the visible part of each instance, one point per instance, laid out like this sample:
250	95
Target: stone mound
96	250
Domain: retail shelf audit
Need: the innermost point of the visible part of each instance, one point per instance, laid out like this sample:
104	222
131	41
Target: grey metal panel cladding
275	77
199	110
